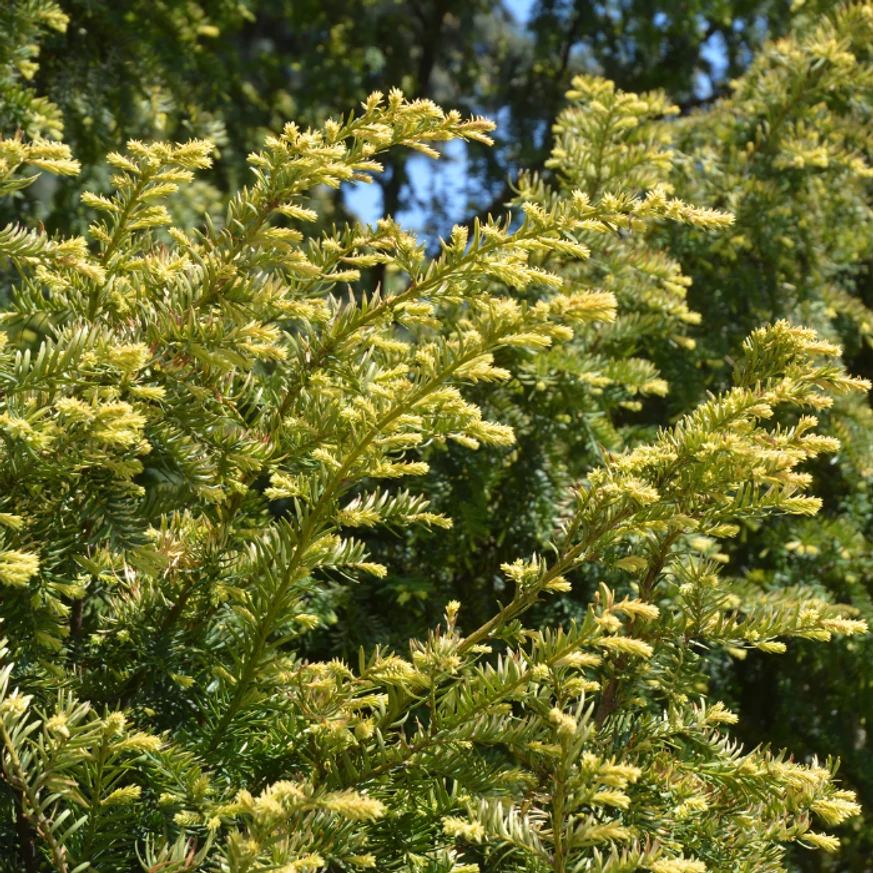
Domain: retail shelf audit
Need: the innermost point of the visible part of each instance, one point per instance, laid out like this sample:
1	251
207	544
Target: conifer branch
211	445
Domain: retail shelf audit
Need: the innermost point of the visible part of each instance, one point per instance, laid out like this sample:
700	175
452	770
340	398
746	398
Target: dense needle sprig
203	418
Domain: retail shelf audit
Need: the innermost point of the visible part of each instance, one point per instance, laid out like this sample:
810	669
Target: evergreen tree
196	420
790	155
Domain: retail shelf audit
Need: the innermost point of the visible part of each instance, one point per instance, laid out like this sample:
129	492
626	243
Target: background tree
232	70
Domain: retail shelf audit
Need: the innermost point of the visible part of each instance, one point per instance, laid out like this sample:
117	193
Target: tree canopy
326	546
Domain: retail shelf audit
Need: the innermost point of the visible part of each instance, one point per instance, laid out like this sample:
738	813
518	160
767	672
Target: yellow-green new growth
209	413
